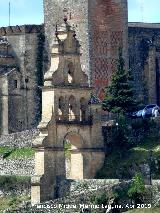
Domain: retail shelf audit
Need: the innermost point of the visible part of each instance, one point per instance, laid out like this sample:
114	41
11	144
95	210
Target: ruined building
101	27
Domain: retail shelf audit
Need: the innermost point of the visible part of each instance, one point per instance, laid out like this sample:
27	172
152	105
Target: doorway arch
73	155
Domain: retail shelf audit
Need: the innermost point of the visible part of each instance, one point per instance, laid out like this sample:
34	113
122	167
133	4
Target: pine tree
119	95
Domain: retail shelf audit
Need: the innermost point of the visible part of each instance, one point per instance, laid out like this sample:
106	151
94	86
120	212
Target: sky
31	11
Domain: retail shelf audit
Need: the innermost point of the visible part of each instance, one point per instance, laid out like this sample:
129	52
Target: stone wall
19	139
24	42
101	27
144	60
22	167
77	187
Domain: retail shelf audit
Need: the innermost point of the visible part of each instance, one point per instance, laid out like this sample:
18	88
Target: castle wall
144	60
24	41
101	27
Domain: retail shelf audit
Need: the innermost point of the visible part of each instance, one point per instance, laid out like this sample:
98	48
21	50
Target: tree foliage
137	189
120	95
121	134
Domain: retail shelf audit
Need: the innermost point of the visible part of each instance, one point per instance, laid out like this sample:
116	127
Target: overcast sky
31	11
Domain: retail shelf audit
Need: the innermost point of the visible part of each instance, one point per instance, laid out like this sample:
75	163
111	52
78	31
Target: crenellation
23	29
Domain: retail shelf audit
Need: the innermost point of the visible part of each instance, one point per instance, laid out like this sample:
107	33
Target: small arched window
15	84
70	73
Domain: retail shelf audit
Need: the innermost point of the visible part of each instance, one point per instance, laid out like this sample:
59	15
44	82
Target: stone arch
74	164
72	108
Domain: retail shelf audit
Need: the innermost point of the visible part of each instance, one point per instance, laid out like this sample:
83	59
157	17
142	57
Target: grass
133	157
11	202
8	182
14	153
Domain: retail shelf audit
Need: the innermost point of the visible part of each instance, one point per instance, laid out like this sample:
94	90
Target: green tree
137	189
121	135
119	95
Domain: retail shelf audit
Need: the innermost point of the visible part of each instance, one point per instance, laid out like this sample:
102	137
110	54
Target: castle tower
69	113
10	93
101	27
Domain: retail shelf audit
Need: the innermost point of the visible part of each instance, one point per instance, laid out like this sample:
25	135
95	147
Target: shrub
137	189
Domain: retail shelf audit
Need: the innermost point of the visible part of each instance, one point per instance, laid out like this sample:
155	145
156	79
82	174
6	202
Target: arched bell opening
72	108
70	74
61	104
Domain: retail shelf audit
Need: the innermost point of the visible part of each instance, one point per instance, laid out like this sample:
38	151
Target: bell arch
70	73
61	104
72	108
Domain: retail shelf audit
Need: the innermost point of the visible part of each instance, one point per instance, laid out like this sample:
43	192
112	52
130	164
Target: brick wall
108	32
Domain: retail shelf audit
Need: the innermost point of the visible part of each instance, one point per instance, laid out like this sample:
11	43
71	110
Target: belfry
69	113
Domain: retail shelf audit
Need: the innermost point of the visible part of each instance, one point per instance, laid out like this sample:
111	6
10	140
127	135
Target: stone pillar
77	109
4	116
49	169
4	106
66	108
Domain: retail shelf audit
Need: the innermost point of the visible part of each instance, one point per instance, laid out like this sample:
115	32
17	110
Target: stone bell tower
69	113
101	27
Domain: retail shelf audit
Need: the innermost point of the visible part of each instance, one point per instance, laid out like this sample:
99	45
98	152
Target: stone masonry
23	105
101	28
69	113
144	60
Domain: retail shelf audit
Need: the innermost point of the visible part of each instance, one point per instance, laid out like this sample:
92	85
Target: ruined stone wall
21	165
24	42
101	27
19	139
144	60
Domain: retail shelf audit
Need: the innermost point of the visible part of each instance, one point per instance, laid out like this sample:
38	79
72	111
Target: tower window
26	80
15	84
70	73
